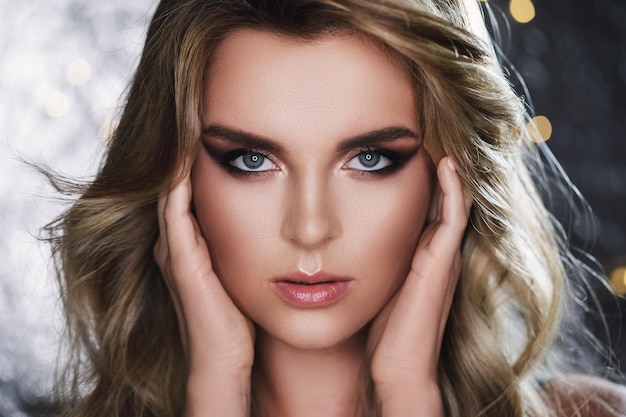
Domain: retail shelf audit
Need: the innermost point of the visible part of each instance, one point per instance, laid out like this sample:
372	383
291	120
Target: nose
310	219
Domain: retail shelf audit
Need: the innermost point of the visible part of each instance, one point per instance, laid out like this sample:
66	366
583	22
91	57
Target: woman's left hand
404	341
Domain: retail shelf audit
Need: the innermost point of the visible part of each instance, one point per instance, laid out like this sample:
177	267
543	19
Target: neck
309	383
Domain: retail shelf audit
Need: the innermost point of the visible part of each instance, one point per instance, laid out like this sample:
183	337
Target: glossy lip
317	290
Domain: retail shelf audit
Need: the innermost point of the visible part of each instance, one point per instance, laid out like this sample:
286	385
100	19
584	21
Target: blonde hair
127	357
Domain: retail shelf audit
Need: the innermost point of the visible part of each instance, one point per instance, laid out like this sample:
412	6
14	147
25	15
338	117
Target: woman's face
311	186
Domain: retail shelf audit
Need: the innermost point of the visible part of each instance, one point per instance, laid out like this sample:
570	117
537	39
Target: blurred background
64	65
571	55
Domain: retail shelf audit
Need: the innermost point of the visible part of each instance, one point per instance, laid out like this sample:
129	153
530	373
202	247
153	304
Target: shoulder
585	396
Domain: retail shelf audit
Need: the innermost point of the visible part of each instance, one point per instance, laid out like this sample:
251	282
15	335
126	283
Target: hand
217	338
405	339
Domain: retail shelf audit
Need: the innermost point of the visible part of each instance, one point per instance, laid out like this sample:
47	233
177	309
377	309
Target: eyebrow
374	137
242	138
388	134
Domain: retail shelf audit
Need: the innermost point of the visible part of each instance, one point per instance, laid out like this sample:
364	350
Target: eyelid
397	160
392	155
359	151
229	157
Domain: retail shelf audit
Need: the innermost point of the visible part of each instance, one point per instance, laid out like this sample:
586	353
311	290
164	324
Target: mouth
310	291
299	278
308	284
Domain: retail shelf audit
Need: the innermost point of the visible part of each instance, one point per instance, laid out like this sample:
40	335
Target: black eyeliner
225	158
398	160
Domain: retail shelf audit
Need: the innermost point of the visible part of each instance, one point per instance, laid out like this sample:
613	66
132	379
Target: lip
308	291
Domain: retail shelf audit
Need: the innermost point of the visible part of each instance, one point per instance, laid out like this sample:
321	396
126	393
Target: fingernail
451	165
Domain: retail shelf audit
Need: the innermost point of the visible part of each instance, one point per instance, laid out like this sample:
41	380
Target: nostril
310	216
309	229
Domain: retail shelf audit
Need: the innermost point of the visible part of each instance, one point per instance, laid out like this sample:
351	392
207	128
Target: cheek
389	240
236	219
386	223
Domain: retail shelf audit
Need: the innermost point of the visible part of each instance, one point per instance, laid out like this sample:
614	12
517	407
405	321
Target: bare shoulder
585	396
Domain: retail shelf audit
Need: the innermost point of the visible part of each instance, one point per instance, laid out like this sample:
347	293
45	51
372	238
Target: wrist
404	399
218	392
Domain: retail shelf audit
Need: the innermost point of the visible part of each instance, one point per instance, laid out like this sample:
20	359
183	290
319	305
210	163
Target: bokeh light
618	280
107	128
78	72
539	129
523	11
57	104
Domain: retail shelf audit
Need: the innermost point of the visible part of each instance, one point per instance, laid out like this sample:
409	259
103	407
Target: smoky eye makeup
374	161
248	161
367	160
241	161
245	161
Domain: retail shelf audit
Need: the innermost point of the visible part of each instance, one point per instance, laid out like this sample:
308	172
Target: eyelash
394	161
228	161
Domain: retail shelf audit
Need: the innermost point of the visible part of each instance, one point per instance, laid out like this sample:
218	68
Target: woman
318	208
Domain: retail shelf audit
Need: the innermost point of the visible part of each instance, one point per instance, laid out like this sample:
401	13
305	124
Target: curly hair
126	354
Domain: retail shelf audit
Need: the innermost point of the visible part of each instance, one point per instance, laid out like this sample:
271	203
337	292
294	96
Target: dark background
572	56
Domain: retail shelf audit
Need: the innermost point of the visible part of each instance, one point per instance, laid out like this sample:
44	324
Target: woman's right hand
217	338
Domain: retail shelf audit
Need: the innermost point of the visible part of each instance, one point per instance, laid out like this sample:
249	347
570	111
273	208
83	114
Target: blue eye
252	162
369	160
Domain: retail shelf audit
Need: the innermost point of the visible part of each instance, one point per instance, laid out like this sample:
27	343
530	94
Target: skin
311	206
396	233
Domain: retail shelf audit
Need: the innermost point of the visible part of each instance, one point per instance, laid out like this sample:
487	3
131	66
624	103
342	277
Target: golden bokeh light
618	280
523	11
57	104
539	129
78	72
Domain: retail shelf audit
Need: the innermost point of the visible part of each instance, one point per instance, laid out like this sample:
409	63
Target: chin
312	332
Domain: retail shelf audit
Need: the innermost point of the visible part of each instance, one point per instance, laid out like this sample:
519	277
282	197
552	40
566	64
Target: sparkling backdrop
64	65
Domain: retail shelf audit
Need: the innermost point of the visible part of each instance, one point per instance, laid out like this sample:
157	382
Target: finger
162	259
193	277
435	205
455	205
160	247
188	253
435	257
449	295
180	231
444	246
429	288
180	315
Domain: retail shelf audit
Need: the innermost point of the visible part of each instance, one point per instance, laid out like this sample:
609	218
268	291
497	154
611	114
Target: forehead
333	85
